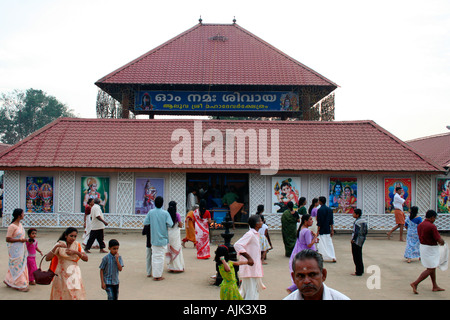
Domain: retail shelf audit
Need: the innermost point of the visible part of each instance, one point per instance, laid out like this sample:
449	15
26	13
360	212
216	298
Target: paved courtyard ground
385	256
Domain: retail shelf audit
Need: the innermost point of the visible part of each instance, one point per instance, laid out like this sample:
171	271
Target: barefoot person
398	211
429	238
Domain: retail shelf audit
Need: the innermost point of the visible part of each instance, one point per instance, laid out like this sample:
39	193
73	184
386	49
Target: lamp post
227	235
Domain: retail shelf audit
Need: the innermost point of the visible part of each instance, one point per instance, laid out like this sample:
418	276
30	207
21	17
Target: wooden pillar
127	100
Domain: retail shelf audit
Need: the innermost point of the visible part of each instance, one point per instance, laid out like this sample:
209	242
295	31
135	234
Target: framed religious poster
39	196
390	184
343	195
443	195
95	187
147	189
284	190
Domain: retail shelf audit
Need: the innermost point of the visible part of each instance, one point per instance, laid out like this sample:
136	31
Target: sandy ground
384	256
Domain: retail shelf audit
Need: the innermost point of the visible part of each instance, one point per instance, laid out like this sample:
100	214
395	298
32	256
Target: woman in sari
68	283
412	249
289	221
174	249
189	228
202	219
17	274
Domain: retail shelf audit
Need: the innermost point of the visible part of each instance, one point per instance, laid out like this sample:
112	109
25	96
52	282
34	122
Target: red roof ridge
129	64
408	147
438	135
285	55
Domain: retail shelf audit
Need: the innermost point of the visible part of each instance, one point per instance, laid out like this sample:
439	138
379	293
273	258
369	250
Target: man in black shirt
325	230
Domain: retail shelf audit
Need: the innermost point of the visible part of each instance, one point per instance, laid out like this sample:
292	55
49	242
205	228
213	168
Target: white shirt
398	202
96	224
328	294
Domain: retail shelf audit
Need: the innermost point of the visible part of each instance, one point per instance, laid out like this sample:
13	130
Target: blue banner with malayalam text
216	101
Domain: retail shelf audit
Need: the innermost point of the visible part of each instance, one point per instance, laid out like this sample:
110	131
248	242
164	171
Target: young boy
358	237
109	270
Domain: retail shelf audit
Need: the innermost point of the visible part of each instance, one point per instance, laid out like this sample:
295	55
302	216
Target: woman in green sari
289	220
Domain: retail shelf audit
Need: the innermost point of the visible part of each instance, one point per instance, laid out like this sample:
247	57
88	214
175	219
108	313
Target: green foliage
24	112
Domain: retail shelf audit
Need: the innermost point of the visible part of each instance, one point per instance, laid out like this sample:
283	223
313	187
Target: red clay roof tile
193	57
304	146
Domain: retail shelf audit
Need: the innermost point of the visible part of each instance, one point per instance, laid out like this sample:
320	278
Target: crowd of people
307	236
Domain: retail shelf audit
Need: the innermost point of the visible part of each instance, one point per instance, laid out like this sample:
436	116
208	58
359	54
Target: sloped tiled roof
436	147
4	146
216	54
122	144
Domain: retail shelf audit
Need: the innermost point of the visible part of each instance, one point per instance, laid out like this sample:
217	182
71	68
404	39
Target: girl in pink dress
32	247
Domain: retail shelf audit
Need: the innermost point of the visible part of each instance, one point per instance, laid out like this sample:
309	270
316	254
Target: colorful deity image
285	190
343	195
289	102
93	188
389	192
147	189
443	195
39	196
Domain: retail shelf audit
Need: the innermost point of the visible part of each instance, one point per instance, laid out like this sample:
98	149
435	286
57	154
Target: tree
24	112
108	107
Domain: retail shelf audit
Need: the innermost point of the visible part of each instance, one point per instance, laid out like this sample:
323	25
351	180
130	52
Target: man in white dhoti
325	229
159	221
430	253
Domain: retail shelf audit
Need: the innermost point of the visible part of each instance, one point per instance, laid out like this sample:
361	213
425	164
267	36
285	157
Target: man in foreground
309	276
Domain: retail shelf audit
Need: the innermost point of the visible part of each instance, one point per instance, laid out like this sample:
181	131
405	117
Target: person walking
175	250
358	238
229	289
430	254
306	239
325	229
98	225
202	219
289	220
64	256
412	249
398	212
159	221
88	224
17	274
32	248
249	249
312	211
110	267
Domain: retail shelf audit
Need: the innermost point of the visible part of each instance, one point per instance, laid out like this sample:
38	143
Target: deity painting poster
443	195
390	184
343	195
284	190
147	189
95	187
39	196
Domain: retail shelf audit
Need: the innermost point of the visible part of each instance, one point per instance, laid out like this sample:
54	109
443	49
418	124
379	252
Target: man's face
309	279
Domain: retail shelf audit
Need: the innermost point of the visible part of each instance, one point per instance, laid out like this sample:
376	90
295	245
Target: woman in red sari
202	220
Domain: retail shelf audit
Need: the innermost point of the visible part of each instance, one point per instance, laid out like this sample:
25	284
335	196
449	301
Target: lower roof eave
219	170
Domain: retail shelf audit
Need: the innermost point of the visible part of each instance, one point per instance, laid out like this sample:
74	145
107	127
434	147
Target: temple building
287	147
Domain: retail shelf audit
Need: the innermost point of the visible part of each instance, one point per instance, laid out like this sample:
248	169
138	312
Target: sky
390	59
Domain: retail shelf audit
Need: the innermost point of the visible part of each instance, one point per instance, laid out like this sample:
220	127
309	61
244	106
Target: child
266	244
228	288
109	270
358	237
32	247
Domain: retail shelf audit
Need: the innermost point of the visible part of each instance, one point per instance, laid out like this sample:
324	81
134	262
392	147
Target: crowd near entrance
222	192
